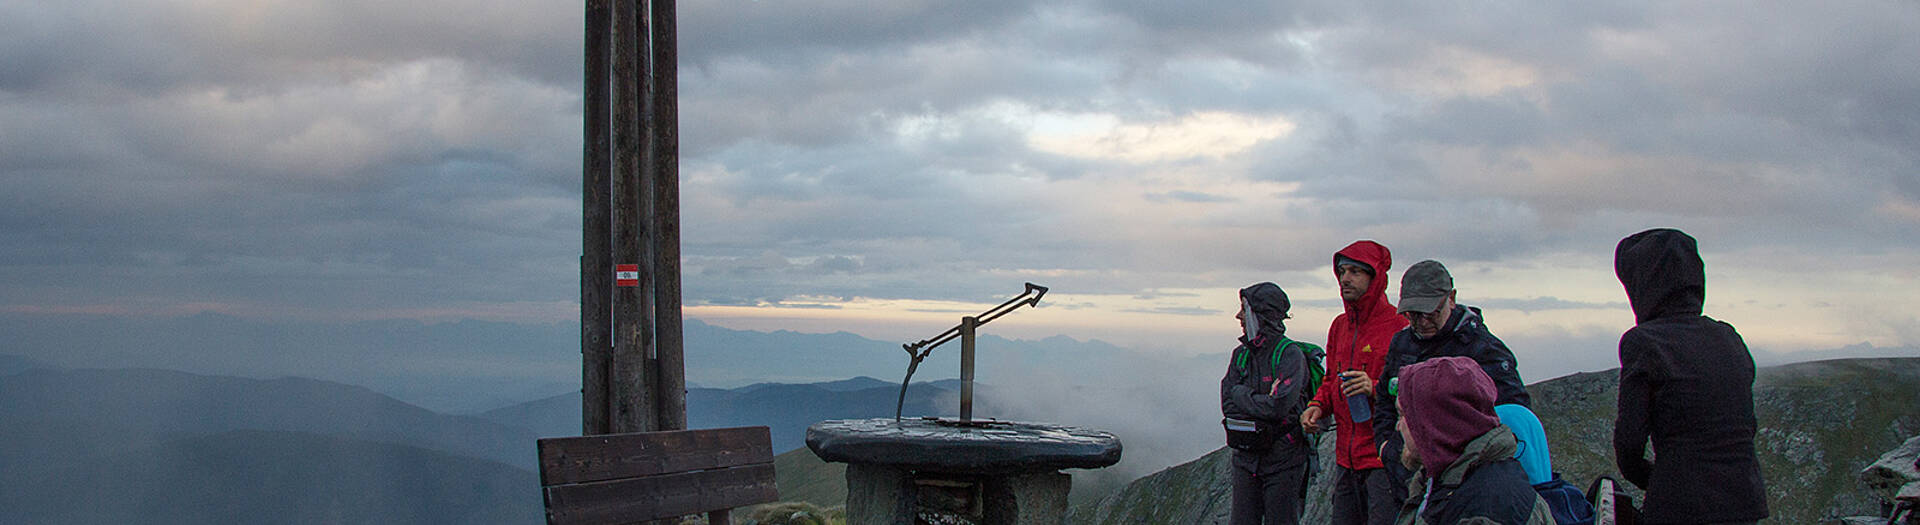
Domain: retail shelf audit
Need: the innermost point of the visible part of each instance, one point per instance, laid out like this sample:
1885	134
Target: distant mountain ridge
844	385
162	446
256	476
470	366
786	408
104	410
13	364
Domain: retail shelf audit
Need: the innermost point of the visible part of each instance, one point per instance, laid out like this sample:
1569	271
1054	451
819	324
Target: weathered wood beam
629	391
596	208
614	456
663	128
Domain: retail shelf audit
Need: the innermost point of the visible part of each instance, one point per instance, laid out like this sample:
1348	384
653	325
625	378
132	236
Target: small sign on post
626	275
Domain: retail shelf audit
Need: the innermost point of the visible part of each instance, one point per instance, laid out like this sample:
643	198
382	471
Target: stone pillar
1033	498
879	495
985	472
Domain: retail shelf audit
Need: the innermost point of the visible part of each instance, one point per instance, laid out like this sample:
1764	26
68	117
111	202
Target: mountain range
161	446
258	476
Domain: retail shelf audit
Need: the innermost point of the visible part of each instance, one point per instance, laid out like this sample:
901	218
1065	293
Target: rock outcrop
1895	479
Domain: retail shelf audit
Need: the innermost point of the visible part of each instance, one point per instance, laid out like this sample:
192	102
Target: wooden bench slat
663	496
615	456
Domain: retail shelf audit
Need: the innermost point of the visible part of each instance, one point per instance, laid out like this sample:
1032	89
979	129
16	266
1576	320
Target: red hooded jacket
1358	341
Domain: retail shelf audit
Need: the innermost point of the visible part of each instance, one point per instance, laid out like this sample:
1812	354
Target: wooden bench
624	478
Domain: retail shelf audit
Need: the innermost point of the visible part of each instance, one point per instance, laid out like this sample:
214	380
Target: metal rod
985	317
902	402
965	331
968	326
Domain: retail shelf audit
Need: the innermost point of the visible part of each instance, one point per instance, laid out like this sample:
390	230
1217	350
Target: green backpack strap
1310	353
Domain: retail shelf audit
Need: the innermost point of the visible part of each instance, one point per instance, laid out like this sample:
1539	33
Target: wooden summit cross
636	461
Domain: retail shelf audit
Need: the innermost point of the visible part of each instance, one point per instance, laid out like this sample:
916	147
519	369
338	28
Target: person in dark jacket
1263	386
1363	492
1464	469
1438	327
1686	384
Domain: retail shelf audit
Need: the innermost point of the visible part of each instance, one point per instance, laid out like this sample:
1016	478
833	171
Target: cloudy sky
884	167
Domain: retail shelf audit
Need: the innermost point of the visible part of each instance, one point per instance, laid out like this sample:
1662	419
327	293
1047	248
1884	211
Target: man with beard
1438	327
1363	492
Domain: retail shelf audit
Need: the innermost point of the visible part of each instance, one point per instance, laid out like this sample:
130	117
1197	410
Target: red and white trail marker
626	275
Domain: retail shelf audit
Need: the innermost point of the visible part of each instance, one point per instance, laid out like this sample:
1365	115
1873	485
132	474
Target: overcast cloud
364	160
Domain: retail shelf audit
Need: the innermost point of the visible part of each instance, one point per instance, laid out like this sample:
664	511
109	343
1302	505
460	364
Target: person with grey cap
1439	327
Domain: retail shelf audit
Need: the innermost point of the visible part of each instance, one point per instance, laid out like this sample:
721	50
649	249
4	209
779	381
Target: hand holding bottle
1359	391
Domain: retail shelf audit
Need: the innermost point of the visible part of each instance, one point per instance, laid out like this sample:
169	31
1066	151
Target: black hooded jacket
1686	384
1464	335
1244	390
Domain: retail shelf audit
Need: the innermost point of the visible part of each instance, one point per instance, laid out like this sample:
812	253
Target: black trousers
1276	497
1365	497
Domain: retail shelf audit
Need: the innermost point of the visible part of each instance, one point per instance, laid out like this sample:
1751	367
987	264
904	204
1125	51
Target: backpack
1611	503
1315	358
1249	436
1569	505
1316	367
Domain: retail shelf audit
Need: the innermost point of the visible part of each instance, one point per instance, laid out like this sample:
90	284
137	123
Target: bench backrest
620	478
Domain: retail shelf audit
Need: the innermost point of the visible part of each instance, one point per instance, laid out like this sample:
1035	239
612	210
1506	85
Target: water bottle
1358	405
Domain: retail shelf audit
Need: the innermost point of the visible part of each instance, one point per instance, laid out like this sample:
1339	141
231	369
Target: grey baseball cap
1424	286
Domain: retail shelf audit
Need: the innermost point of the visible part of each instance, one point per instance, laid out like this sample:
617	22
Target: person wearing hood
1686	384
1438	327
1461	456
1261	398
1363	492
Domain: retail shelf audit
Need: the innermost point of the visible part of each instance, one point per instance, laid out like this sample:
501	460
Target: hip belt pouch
1248	436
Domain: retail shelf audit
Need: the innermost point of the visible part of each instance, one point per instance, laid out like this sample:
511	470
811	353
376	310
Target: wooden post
632	406
663	129
968	325
596	206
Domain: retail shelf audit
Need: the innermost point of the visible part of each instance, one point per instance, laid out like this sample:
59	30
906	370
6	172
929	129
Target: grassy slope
1820	423
802	476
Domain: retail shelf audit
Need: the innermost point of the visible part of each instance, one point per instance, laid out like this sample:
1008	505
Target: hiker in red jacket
1363	492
